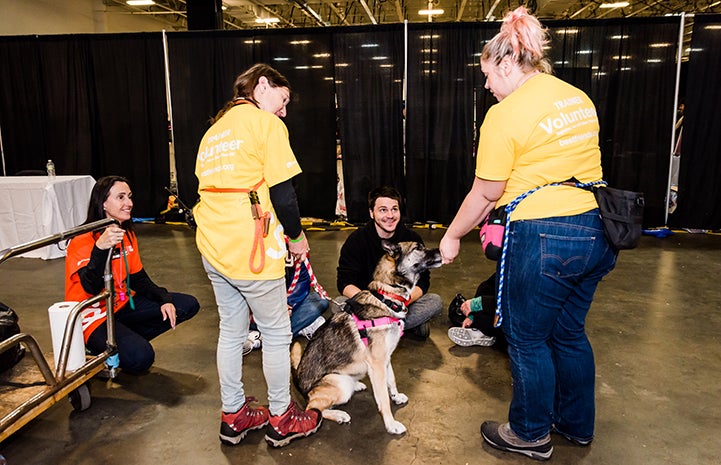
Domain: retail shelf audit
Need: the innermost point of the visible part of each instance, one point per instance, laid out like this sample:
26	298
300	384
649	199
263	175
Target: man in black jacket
362	251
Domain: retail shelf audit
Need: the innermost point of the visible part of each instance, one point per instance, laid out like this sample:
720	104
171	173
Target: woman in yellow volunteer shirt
541	131
247	204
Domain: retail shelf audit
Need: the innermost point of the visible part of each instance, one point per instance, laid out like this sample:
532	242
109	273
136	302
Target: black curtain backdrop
369	86
700	172
130	131
628	68
445	104
203	67
202	71
94	104
24	109
305	58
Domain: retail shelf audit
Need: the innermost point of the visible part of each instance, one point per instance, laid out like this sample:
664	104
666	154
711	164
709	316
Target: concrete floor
654	325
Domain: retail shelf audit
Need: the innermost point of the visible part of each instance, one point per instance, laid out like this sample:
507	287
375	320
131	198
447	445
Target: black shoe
420	332
502	437
576	441
455	315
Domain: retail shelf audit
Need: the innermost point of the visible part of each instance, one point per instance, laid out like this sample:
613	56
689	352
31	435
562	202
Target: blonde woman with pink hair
542	131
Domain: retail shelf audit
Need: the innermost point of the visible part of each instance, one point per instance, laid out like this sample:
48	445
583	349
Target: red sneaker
293	424
235	426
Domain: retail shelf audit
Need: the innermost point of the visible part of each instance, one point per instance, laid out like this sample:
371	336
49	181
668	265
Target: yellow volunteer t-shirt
545	131
245	146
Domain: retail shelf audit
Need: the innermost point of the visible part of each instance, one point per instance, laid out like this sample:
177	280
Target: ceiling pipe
581	10
272	12
309	11
368	11
610	10
642	9
399	11
337	12
491	10
461	9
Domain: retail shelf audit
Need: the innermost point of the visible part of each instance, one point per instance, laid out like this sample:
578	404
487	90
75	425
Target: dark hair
99	195
245	85
383	191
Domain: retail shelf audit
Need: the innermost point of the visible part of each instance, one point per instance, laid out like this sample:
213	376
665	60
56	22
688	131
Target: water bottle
50	167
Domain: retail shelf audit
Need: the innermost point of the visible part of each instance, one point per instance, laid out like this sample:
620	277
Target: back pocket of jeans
565	256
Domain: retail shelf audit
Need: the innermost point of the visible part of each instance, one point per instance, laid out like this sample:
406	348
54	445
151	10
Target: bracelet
298	239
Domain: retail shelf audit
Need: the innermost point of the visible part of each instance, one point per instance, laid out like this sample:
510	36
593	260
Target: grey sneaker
310	330
466	337
253	342
502	437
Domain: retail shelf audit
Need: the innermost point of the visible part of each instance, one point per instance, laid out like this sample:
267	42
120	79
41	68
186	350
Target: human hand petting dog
449	248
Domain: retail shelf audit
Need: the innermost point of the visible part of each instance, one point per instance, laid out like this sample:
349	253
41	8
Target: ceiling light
614	5
140	2
267	20
430	11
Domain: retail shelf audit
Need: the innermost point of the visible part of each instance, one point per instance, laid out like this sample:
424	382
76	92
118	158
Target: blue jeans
307	312
423	309
135	328
552	269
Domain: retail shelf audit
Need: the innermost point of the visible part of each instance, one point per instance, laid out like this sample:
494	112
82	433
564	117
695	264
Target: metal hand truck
61	384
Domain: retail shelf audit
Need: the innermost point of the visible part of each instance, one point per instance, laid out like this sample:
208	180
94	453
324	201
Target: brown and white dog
360	340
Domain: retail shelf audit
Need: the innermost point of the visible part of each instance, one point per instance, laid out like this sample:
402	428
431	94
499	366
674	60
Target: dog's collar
395	302
363	325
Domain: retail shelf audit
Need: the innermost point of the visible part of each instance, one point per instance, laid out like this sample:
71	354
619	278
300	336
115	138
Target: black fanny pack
621	213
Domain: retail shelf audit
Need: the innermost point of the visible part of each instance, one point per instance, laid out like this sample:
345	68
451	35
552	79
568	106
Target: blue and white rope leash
509	209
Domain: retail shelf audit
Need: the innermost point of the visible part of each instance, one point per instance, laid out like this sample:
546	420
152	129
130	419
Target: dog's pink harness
365	324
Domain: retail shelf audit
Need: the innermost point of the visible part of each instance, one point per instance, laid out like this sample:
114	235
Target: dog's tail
296	352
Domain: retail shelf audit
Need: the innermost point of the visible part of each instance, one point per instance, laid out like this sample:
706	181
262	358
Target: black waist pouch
622	214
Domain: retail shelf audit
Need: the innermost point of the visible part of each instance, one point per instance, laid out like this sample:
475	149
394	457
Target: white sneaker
310	330
467	337
253	342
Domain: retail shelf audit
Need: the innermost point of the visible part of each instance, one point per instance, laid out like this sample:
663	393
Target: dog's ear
391	249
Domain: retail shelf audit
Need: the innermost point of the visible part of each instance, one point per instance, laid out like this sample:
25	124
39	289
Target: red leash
313	280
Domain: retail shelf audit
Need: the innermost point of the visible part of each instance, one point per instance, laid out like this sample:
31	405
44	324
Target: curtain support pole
679	55
171	144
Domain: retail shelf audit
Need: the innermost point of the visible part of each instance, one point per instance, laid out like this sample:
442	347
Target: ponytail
245	83
523	38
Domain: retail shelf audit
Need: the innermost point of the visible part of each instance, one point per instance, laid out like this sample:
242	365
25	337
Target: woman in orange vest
143	310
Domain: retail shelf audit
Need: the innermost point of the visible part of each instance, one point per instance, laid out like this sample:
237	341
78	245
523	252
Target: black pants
134	328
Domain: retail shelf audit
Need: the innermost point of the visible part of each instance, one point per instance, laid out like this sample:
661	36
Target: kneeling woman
143	310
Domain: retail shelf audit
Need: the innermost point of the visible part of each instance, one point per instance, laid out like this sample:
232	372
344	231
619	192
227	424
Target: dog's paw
338	416
399	398
359	386
395	427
